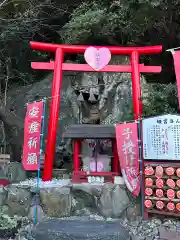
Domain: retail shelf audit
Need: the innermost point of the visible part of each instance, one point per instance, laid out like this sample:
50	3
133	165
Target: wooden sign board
161	137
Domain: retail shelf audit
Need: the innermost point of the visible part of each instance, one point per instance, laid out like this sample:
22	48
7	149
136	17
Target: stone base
80	230
63	200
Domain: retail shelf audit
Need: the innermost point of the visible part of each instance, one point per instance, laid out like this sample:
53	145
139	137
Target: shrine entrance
135	68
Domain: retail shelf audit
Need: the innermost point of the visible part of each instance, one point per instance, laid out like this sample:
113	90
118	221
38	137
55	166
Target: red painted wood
103	174
87	68
81	176
4	182
50	47
76	160
53	116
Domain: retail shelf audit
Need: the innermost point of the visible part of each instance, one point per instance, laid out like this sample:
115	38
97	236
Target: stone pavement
79	230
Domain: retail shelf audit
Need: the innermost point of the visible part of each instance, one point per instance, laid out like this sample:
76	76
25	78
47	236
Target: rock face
14	172
113	201
107	200
56	201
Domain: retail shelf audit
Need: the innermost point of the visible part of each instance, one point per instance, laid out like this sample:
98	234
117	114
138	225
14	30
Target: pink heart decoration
97	58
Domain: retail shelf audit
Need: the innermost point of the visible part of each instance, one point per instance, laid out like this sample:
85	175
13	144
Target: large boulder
14	172
56	202
113	201
18	200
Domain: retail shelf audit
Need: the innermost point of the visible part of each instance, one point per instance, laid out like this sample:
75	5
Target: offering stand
161	152
78	133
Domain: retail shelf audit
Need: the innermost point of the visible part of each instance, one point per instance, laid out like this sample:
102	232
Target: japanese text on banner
127	144
32	134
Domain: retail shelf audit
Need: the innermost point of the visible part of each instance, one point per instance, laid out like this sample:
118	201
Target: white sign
95	180
161	137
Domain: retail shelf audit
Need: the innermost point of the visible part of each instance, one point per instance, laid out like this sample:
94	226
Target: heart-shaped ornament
97	58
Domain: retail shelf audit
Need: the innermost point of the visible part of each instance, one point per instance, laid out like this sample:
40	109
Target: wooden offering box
162	188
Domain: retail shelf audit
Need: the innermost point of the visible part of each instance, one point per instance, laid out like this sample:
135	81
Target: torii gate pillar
58	66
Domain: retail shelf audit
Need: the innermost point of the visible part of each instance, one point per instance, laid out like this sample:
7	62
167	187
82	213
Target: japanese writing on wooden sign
32	134
161	137
128	151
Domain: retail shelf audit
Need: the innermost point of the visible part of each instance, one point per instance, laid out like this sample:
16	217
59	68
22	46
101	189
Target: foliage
162	99
21	22
126	20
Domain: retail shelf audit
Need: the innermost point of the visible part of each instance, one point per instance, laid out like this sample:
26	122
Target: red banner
128	151
176	56
32	135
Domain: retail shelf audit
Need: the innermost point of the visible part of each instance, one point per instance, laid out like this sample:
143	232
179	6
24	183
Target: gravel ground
95	227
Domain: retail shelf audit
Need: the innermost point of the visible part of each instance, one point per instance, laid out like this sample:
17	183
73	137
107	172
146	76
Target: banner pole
39	162
141	168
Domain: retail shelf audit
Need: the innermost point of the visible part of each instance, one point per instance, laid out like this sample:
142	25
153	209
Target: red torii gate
58	67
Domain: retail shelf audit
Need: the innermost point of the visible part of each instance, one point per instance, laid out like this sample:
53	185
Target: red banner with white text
128	151
176	56
32	135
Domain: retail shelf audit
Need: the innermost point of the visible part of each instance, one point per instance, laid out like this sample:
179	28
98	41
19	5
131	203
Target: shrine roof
90	131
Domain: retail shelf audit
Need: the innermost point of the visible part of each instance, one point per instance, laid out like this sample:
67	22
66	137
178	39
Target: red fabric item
170	194
178	194
159	172
178	182
148	182
178	172
178	206
128	151
32	133
160	205
148	203
148	191
170	206
176	56
159	193
159	183
170	171
171	183
149	171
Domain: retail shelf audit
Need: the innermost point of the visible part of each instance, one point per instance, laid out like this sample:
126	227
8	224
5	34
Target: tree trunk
13	127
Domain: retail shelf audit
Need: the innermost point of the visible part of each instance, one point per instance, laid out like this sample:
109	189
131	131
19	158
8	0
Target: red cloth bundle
170	171
178	182
170	194
171	183
149	171
178	207
178	172
159	193
159	172
148	191
159	183
170	206
148	182
148	203
178	194
160	205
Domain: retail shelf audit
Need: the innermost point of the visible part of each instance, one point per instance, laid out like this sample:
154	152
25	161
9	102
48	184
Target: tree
20	22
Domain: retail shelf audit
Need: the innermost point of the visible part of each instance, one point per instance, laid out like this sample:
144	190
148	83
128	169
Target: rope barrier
39	163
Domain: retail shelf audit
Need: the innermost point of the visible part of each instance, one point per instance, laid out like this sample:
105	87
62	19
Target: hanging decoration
176	57
128	150
97	58
91	95
32	132
80	97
